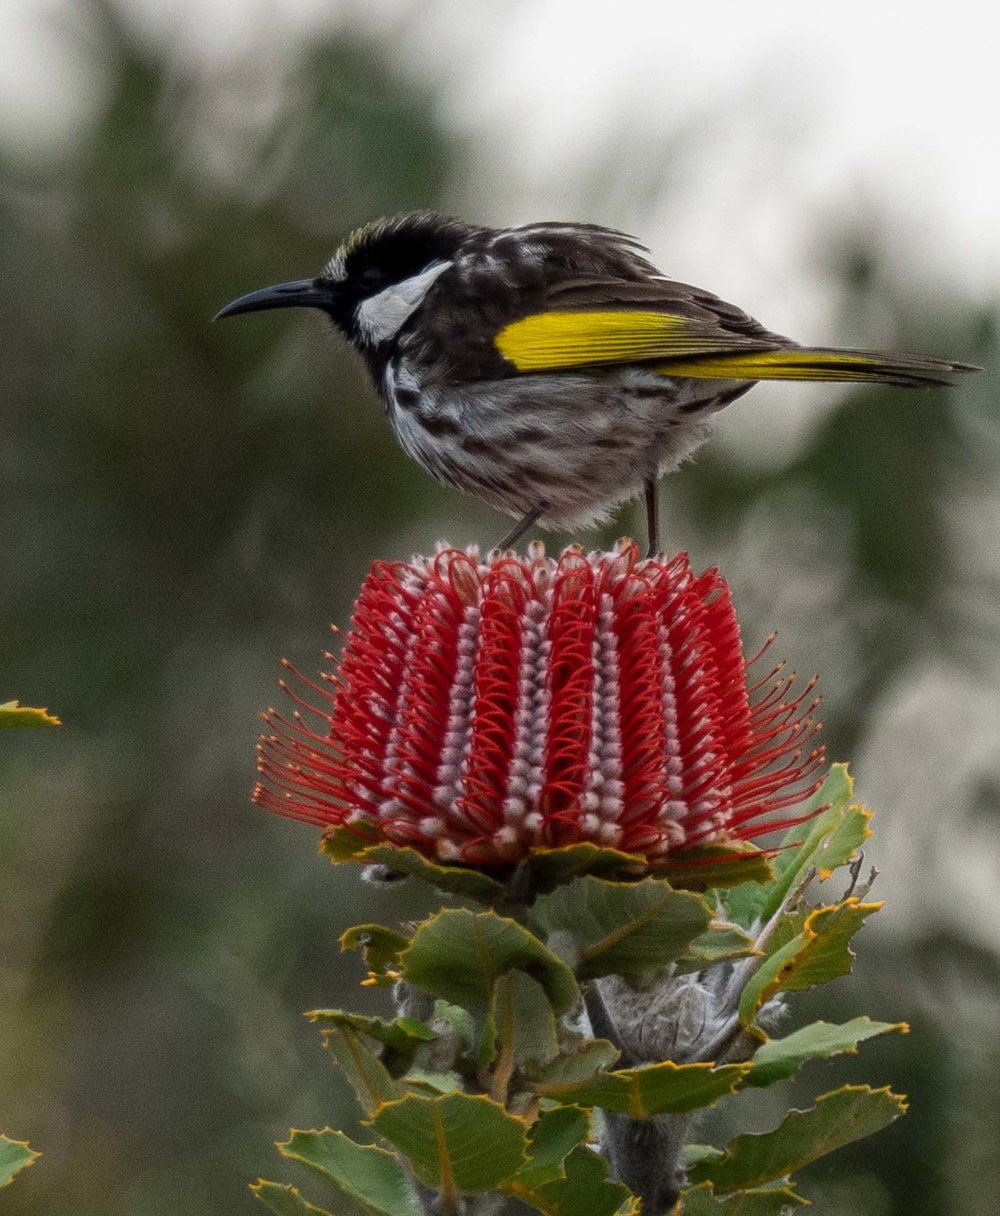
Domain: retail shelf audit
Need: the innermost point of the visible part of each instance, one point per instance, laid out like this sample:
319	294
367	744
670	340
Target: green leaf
574	1067
700	1201
585	1190
521	1028
825	842
721	940
420	1080
553	867
818	953
13	714
369	1077
838	1118
402	1034
382	948
781	1058
15	1155
692	1154
460	955
627	929
367	1173
456	880
348	842
552	1138
284	1200
718	865
459	1143
460	1022
771	1201
657	1089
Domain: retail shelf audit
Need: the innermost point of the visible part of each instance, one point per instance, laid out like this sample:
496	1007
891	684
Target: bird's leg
522	526
652	518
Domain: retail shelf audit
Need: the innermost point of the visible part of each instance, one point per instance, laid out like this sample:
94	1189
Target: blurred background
182	504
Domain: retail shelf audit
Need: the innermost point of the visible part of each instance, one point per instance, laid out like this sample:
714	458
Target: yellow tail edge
819	363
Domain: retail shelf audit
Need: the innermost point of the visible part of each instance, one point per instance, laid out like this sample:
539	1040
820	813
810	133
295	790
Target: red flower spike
482	708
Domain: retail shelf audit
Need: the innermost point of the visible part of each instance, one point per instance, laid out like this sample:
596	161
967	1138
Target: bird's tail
818	363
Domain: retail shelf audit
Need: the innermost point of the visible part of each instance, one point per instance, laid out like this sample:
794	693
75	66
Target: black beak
301	293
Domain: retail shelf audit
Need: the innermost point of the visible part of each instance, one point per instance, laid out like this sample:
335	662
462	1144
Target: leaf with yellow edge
382	948
456	880
719	864
764	1201
778	1059
13	714
613	928
818	953
585	1190
657	1089
822	844
366	1172
552	866
284	1200
368	1076
459	1143
552	1137
838	1118
459	955
15	1155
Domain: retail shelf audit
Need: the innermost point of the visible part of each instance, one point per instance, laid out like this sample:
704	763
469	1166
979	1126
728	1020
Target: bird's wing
591	321
678	330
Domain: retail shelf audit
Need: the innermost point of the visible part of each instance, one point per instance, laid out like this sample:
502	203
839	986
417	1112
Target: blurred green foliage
183	503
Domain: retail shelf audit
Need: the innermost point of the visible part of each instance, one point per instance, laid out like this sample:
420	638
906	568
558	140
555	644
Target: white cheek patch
382	316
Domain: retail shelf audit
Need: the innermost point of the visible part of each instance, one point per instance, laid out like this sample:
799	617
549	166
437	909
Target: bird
551	369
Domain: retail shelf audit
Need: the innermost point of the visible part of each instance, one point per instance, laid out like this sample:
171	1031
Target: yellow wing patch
548	340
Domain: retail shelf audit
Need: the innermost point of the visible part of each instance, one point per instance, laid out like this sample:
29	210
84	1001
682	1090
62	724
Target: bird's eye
371	276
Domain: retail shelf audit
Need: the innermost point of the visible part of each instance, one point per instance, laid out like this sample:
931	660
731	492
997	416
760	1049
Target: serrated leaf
717	866
368	1076
401	1034
781	1058
520	1029
626	929
575	1067
13	715
772	1201
820	952
720	941
585	1190
456	880
554	866
15	1155
347	842
700	1201
657	1089
552	1138
430	1083
838	1118
367	1173
458	1143
381	947
459	955
284	1200
825	842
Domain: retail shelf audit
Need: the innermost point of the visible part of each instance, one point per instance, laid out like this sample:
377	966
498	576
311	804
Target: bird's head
375	280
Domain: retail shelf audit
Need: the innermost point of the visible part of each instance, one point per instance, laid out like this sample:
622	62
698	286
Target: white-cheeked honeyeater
551	369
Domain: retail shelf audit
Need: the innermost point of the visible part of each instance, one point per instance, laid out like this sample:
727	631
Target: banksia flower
483	708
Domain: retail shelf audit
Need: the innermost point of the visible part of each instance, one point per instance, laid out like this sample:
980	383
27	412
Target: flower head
483	708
